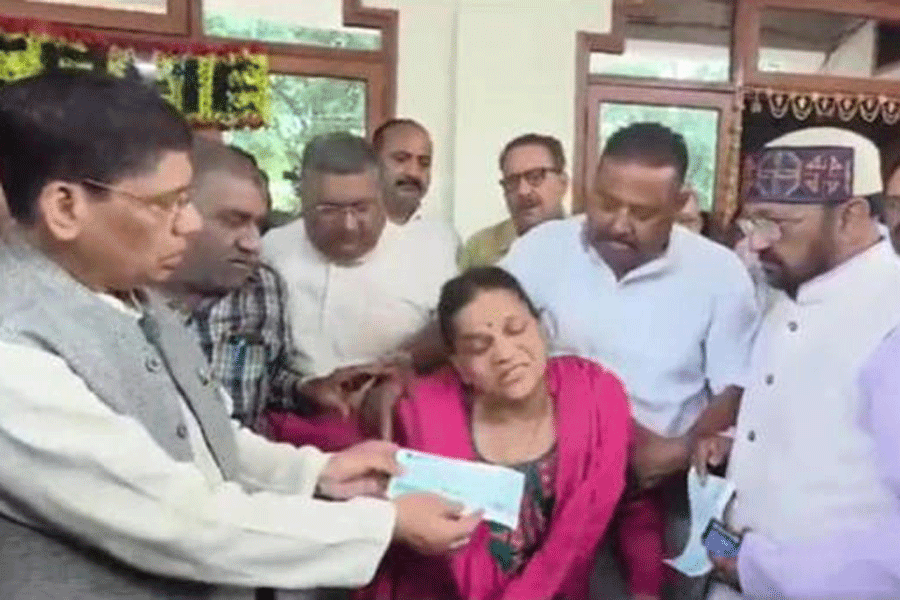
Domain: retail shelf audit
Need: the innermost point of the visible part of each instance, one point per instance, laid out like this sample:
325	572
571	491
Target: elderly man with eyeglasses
816	448
534	184
361	292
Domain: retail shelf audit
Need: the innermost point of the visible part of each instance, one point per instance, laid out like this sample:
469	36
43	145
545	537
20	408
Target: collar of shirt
390	233
660	265
130	307
837	280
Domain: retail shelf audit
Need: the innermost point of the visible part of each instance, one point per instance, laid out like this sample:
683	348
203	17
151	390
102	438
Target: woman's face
498	347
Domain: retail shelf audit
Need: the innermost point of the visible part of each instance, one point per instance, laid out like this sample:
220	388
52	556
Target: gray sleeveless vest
138	368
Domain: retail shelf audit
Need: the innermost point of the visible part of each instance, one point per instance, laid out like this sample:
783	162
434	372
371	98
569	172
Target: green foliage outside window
302	107
251	28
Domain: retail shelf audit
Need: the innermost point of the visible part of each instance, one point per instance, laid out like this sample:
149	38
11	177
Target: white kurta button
770	379
793	326
153	364
751	436
181	431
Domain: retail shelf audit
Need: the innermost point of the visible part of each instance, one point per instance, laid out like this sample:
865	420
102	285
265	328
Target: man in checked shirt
233	301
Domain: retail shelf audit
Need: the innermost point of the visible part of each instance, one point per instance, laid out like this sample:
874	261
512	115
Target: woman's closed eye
475	344
515	327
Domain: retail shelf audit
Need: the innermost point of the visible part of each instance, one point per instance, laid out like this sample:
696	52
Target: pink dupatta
593	425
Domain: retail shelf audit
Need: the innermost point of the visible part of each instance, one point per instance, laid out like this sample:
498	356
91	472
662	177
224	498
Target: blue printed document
478	486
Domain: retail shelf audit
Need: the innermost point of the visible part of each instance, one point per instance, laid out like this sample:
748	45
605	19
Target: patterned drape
844	106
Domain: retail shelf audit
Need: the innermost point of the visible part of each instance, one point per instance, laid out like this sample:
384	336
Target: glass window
828	43
699	126
674	39
302	107
224	24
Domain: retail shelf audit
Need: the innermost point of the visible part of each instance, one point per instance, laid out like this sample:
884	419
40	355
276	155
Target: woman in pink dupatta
564	422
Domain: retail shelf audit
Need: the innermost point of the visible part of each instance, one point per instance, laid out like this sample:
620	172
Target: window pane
302	107
224	24
699	126
827	43
674	39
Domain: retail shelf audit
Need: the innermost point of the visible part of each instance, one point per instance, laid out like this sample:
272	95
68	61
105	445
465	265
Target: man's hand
655	457
710	451
727	570
361	470
431	525
345	389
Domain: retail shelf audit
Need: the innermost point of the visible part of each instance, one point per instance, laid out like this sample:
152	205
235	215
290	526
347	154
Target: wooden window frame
747	44
729	96
184	24
175	21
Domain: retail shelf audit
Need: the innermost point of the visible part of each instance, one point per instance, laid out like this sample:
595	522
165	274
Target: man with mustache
361	290
891	202
233	300
667	310
404	152
534	184
814	455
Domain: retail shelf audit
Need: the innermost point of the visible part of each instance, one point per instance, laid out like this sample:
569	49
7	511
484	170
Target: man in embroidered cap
815	455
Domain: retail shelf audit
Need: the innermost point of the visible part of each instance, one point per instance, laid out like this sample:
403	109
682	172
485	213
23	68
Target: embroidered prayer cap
817	165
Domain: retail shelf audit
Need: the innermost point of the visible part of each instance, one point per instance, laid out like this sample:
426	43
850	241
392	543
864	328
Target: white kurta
101	476
346	315
803	463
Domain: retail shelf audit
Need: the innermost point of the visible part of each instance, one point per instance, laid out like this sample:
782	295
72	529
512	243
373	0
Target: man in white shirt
122	475
803	457
404	151
669	311
360	289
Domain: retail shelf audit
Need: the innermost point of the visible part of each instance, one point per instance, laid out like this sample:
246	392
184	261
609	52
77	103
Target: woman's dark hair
457	293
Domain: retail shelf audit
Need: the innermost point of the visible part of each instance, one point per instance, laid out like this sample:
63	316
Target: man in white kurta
803	461
359	287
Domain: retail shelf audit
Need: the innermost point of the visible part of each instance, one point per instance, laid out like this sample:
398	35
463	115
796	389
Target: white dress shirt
346	315
100	476
673	329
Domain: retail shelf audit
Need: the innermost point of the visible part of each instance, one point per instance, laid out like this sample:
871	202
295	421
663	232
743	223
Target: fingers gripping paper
707	501
478	486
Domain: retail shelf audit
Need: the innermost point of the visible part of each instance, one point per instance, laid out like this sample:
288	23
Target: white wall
855	57
426	73
479	72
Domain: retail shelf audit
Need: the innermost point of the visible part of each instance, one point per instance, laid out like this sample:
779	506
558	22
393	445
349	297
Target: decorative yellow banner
212	86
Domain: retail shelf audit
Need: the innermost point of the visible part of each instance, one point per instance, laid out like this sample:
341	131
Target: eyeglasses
358	210
891	203
534	177
767	228
168	202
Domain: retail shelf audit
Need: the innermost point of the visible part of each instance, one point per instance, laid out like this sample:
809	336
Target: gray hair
338	153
